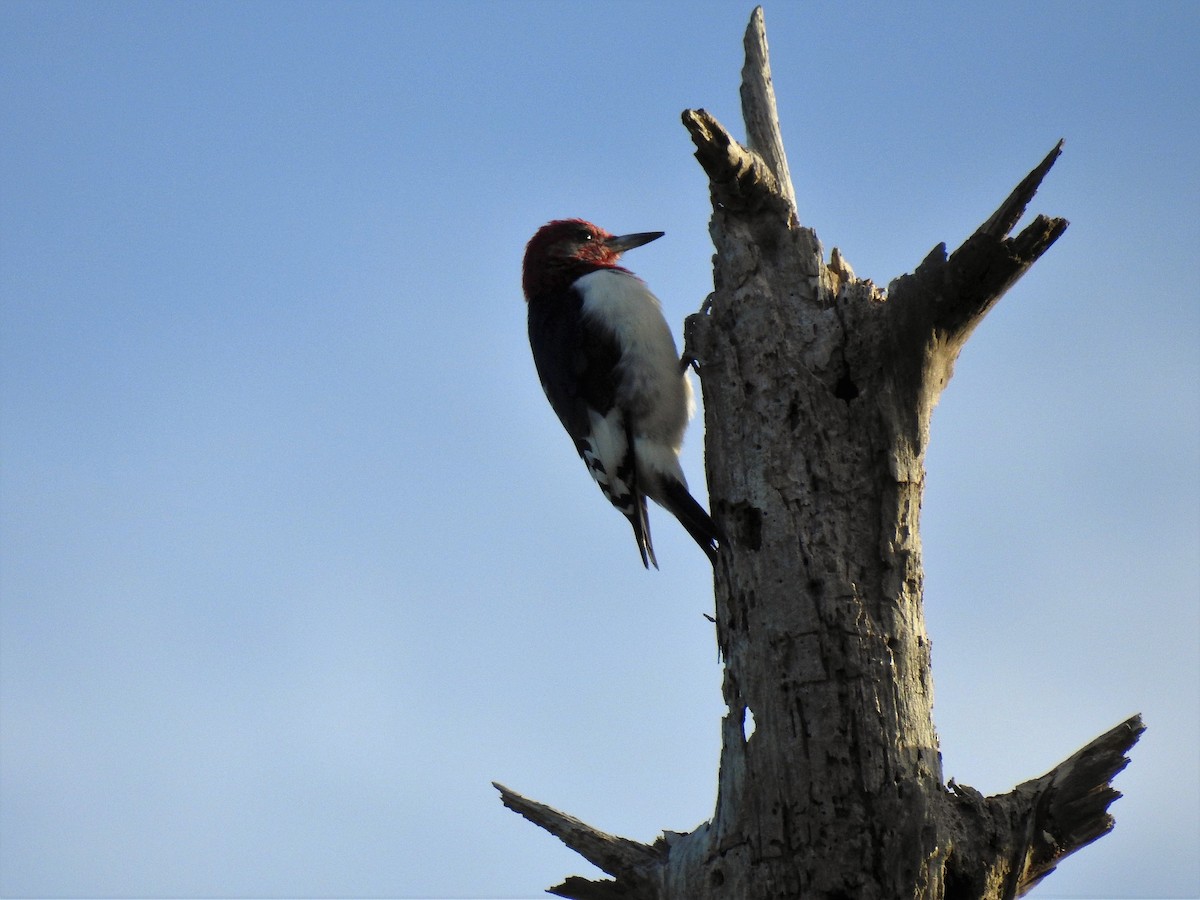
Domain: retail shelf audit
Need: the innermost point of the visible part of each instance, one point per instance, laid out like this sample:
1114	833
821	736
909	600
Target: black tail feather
637	516
641	531
692	516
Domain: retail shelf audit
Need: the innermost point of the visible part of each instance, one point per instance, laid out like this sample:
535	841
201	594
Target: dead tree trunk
818	389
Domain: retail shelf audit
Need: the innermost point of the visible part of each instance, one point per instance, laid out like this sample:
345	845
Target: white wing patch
607	454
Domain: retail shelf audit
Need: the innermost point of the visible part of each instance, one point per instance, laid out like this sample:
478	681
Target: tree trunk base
995	848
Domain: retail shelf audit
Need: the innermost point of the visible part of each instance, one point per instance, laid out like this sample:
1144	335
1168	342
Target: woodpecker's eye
584	235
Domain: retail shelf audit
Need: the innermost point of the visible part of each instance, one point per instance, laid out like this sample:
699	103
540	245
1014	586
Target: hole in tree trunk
845	389
748	725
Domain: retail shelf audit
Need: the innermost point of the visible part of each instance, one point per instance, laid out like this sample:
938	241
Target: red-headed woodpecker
609	367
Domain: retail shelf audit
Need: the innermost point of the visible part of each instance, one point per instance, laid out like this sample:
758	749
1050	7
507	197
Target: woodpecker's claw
695	337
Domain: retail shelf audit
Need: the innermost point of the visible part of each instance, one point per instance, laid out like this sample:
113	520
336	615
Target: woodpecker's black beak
628	241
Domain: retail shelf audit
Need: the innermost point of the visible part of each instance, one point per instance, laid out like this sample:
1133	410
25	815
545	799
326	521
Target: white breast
652	390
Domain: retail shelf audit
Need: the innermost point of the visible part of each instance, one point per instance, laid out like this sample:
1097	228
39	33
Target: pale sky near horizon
295	559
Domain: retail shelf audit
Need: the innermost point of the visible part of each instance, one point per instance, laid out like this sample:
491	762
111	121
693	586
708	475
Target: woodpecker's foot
696	330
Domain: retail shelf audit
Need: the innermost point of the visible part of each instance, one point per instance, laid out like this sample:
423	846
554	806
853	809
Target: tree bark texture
818	389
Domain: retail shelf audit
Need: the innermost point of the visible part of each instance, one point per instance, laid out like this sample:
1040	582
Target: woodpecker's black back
576	359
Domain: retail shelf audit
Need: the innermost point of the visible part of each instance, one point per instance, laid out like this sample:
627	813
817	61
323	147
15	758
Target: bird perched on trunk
609	367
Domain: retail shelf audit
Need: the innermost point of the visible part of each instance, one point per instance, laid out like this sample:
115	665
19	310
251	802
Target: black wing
576	360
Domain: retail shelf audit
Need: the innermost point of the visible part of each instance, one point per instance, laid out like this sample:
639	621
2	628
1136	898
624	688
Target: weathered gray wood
634	864
818	391
1041	821
758	108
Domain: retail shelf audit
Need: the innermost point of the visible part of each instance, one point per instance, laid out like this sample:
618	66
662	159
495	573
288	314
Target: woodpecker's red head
565	249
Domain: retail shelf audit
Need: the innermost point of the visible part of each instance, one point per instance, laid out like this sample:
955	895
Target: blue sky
294	557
